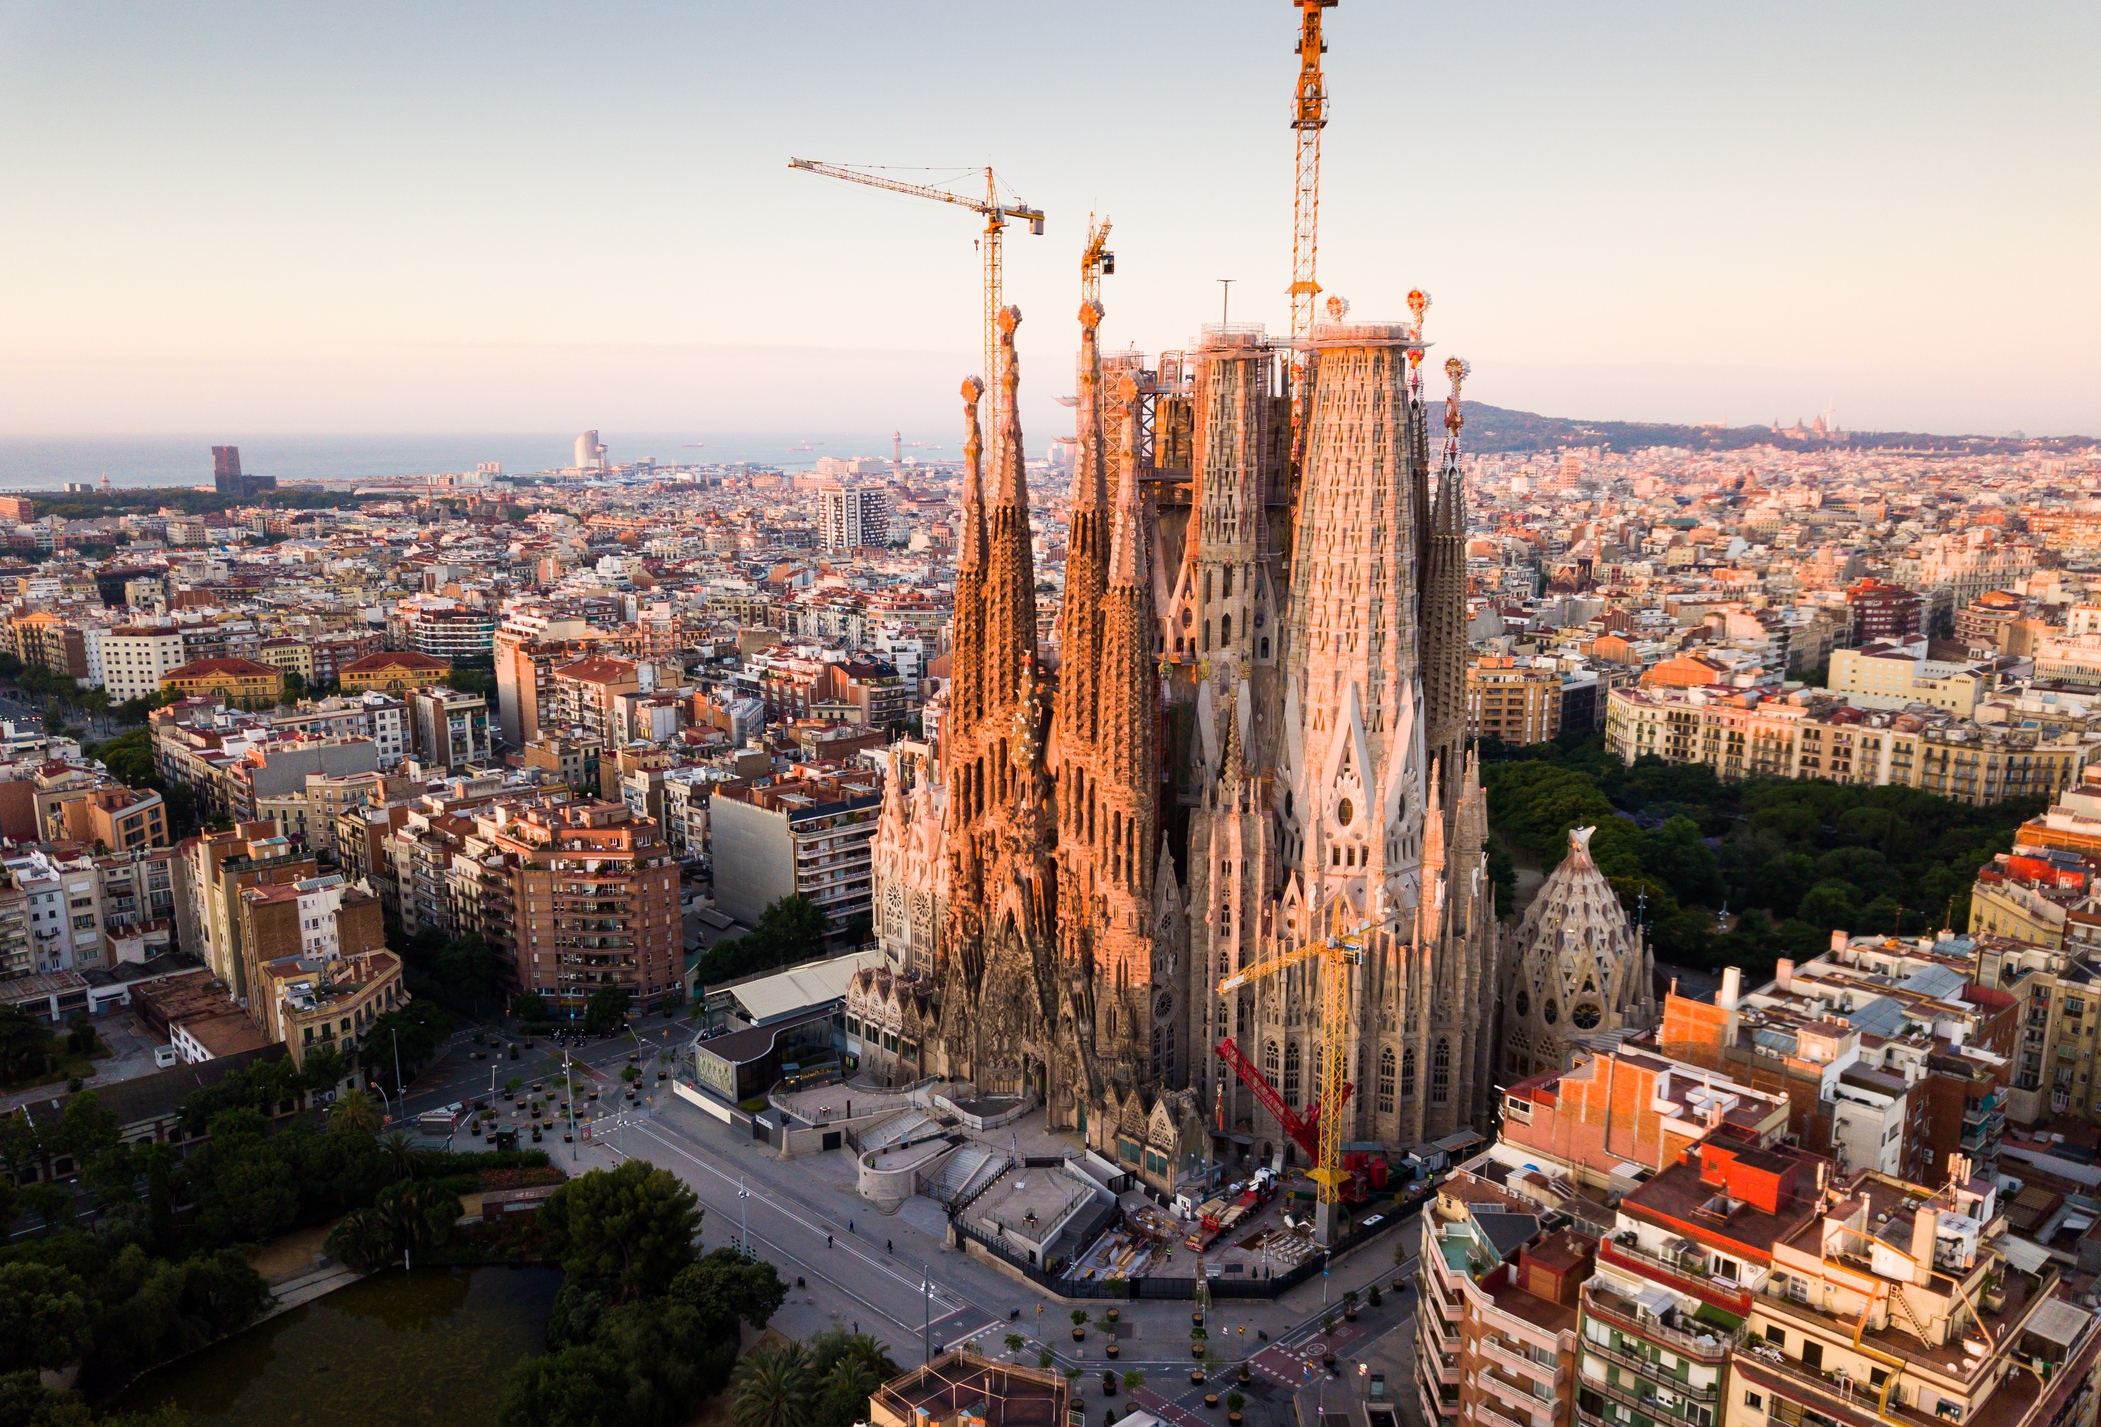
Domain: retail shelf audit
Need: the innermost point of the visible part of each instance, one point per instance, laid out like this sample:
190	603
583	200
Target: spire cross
1457	370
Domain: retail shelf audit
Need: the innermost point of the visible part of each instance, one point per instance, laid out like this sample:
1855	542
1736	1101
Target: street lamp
743	1225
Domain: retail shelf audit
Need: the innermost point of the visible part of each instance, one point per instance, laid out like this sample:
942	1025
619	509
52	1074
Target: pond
431	1346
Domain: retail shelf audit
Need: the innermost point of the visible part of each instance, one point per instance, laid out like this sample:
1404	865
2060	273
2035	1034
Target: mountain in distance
1493	429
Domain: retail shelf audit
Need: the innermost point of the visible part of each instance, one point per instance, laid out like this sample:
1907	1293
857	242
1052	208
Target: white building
854	516
136	658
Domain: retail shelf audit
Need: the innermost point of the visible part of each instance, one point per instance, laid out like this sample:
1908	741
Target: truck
441	1121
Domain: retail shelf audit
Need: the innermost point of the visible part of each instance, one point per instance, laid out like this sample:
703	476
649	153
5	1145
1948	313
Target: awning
2059	1322
2024	1254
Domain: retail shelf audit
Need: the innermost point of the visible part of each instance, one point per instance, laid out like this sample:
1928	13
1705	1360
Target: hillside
1497	428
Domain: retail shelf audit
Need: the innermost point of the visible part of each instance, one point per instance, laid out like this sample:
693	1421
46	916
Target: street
895	1276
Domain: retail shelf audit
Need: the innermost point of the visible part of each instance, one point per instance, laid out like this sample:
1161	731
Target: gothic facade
1249	734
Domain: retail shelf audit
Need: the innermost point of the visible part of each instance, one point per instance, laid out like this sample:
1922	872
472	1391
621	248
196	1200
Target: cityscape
1292	894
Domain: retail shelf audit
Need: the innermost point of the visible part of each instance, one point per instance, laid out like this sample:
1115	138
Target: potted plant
1349	1305
1372	1295
1133	1380
1245	1374
1108	1384
1327	1324
1079	1325
1196	1376
1113	1350
1234	1402
1210	1401
1014	1342
1113	1314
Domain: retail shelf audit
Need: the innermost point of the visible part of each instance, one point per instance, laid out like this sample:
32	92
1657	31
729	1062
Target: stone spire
1126	757
1010	582
1444	606
967	702
1087	557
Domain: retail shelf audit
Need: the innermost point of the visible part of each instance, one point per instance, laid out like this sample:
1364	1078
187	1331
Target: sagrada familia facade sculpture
1249	731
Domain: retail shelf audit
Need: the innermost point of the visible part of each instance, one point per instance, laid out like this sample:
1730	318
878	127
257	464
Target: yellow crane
1309	115
990	207
1336	953
1095	260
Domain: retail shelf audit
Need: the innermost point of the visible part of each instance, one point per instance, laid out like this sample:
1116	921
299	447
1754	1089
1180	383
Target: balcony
1514	1358
1485	1414
1609	1307
1651	1371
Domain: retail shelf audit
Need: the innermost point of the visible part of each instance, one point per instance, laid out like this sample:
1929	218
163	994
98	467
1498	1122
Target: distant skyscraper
855	516
227	478
590	452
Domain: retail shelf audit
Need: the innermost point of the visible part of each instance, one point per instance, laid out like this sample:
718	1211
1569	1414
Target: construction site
1192	870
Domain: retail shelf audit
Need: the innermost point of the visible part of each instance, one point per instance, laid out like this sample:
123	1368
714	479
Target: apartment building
526	658
136	658
1898	1301
2057	993
587	694
596	897
101	813
43	640
1889	674
1743	733
808	837
1514	701
1496	1319
448	729
211	872
316	1003
83	911
1677	1279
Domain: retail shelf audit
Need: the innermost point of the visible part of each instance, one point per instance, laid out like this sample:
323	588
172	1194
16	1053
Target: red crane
1304	1133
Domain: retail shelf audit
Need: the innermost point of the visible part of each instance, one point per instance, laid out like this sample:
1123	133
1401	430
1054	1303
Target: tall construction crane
1336	953
1095	260
995	214
1309	115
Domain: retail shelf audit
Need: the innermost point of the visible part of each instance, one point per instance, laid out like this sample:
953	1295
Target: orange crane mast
991	248
1309	115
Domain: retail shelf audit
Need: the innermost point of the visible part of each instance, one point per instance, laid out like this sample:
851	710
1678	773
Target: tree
43	1316
85	1128
632	1228
419	1026
26	1402
606	1008
325	1069
727	1286
529	1006
25	1045
355	1113
51	1203
772	1387
582	1386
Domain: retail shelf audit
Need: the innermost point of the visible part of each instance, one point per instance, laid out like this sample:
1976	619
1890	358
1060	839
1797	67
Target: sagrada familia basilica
1245	729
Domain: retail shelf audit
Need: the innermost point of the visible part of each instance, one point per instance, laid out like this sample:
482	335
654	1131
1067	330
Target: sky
460	217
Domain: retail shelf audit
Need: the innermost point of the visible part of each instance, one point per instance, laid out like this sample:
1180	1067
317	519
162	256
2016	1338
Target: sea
44	463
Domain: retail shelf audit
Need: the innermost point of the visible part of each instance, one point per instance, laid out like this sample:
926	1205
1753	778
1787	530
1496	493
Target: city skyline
471	222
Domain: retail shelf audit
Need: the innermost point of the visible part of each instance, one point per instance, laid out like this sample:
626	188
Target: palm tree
355	1112
401	1153
362	1240
771	1388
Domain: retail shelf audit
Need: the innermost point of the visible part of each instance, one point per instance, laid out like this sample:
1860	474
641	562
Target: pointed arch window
1386	1081
1291	1075
1271	1064
1441	1073
1408	1073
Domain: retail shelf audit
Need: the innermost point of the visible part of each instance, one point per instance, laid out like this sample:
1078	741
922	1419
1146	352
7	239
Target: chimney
1924	1225
1784	975
1732	988
1838	941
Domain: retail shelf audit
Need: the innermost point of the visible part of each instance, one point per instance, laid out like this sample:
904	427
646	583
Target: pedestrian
849	1226
888	1247
827	1240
